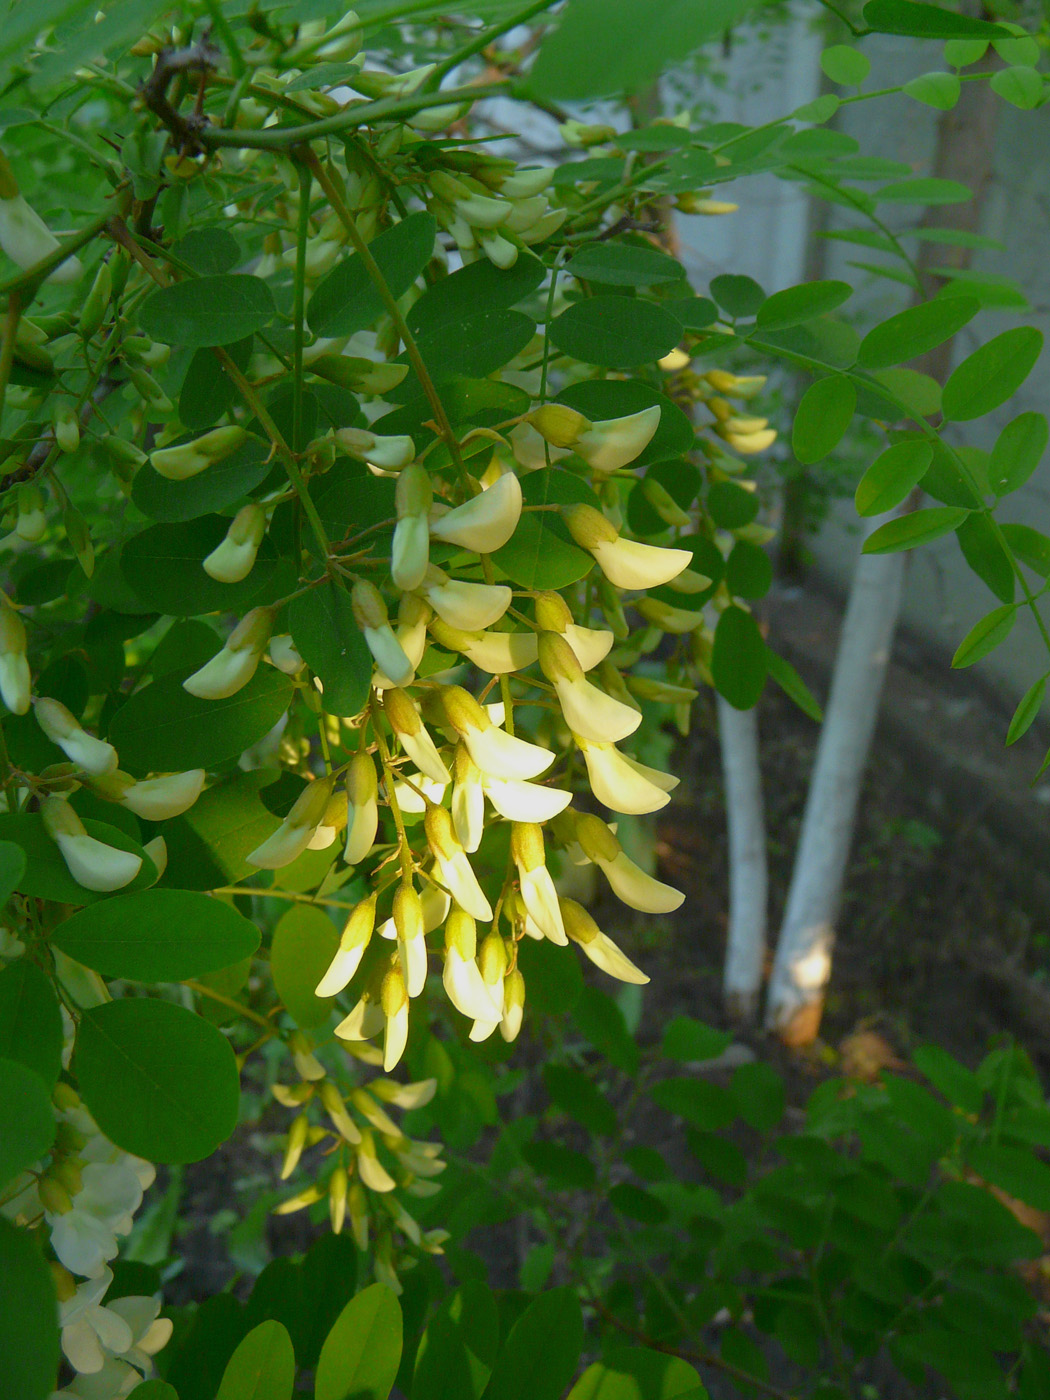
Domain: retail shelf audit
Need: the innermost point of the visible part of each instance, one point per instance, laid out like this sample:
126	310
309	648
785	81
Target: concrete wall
769	240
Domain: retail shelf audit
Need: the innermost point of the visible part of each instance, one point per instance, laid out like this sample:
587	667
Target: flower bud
362	792
334	1106
96	304
394	1002
234	558
371	616
468	801
15	679
356	936
735	386
665	505
191	458
338	1187
513	1006
358	375
462	979
294	1145
233	667
410	552
413	736
537	886
66	426
293	835
677	621
523	184
31	521
91	863
626	563
558	424
487	521
577	133
61	727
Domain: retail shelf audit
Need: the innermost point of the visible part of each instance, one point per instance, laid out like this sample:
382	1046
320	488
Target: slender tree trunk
802	965
746	944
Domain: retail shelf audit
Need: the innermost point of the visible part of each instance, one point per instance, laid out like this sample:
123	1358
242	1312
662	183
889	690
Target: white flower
497	753
232	668
462	979
613	442
371	616
157	799
15	679
357	934
411	544
620	783
27	240
88	1329
537	886
234	558
601	950
468	800
91	862
413	736
362	791
61	727
629	881
486	522
494	652
625	563
469	606
85	1237
452	863
294	834
588	711
525	802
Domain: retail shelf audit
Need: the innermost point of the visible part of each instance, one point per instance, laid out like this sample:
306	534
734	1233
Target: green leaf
923	21
157	935
563	1167
346	300
154	1390
361	1354
29	1318
208	392
985	636
992	374
30	1021
958	1084
624	265
458	1348
929	191
576	1095
457	297
822	417
164	564
262	1367
706	1105
915	528
749	571
739	296
329	640
637	1373
1021	86
47	876
687	1039
304	943
165	729
541	553
939	90
607	47
1014	1170
792	684
802	303
738	659
208	250
27	1120
602	1022
759	1094
961	53
615	330
845	65
208	844
469	348
207	311
12	868
1030	546
984	552
915	331
731	505
223	484
1017	452
161	1082
820	110
541	1352
892	476
637	1203
1027	711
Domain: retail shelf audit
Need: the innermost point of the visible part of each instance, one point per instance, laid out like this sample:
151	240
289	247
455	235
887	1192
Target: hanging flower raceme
410	551
371	616
452	864
487	521
234	558
95	756
629	881
232	668
588	711
362	790
601	950
295	832
628	564
537	885
15	679
606	445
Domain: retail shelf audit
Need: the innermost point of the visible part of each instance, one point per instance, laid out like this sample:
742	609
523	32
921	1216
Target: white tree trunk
748	883
803	955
